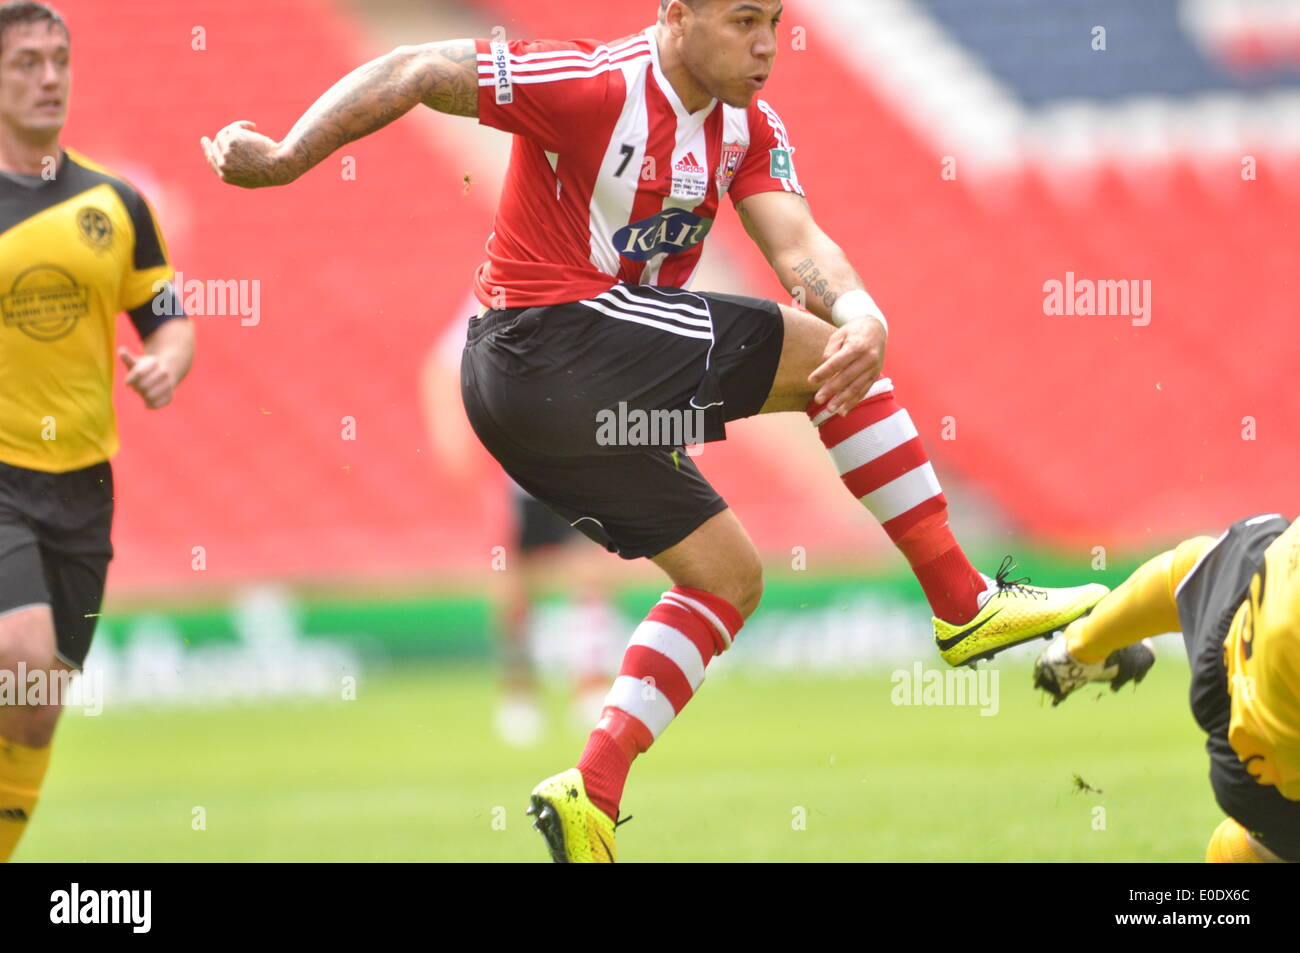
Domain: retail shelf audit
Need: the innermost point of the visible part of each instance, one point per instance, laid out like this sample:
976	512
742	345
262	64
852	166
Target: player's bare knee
738	581
27	637
27	646
739	576
752	596
745	588
801	354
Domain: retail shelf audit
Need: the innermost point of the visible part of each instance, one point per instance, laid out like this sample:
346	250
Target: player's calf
26	646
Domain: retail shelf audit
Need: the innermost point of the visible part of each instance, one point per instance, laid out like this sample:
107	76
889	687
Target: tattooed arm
807	262
817	272
442	76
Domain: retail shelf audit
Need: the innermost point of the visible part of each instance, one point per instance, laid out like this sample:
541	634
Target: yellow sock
1141	606
22	769
1230	844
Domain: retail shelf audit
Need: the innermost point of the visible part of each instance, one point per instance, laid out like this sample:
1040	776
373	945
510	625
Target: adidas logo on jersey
690	179
689	165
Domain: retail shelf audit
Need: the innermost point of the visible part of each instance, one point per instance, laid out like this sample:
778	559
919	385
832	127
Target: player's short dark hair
16	12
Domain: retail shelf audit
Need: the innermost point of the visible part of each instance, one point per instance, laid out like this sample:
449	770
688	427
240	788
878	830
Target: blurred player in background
548	555
1237	601
78	245
623	155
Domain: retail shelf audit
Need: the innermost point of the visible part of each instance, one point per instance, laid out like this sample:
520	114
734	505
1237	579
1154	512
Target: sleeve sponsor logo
782	164
501	70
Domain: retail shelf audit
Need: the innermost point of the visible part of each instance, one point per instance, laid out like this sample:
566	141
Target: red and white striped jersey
611	179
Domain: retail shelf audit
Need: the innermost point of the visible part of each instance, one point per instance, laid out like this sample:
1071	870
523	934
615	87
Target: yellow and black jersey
74	251
1262	656
1240	610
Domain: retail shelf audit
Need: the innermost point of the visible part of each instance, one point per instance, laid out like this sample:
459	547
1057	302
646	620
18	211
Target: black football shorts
589	406
55	548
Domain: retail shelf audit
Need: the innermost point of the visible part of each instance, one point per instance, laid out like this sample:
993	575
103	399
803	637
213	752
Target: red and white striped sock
662	669
883	463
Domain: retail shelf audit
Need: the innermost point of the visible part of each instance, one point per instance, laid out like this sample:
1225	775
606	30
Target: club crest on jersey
690	178
95	227
671	232
733	154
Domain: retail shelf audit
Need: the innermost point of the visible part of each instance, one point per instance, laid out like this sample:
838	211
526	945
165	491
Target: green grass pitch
758	768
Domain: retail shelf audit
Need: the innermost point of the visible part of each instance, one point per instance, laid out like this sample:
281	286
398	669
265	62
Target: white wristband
853	305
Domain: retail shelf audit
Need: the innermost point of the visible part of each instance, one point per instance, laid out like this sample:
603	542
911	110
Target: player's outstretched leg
883	463
1109	644
717	582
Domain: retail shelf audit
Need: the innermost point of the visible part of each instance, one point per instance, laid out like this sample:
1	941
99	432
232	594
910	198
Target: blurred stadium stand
250	462
1085	430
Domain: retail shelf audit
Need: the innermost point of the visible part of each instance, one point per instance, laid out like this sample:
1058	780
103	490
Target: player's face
34	78
730	46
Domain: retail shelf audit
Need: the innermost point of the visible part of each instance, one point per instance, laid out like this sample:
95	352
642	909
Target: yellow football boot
1012	612
576	831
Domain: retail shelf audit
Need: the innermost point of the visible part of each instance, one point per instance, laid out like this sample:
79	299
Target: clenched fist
149	377
242	156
